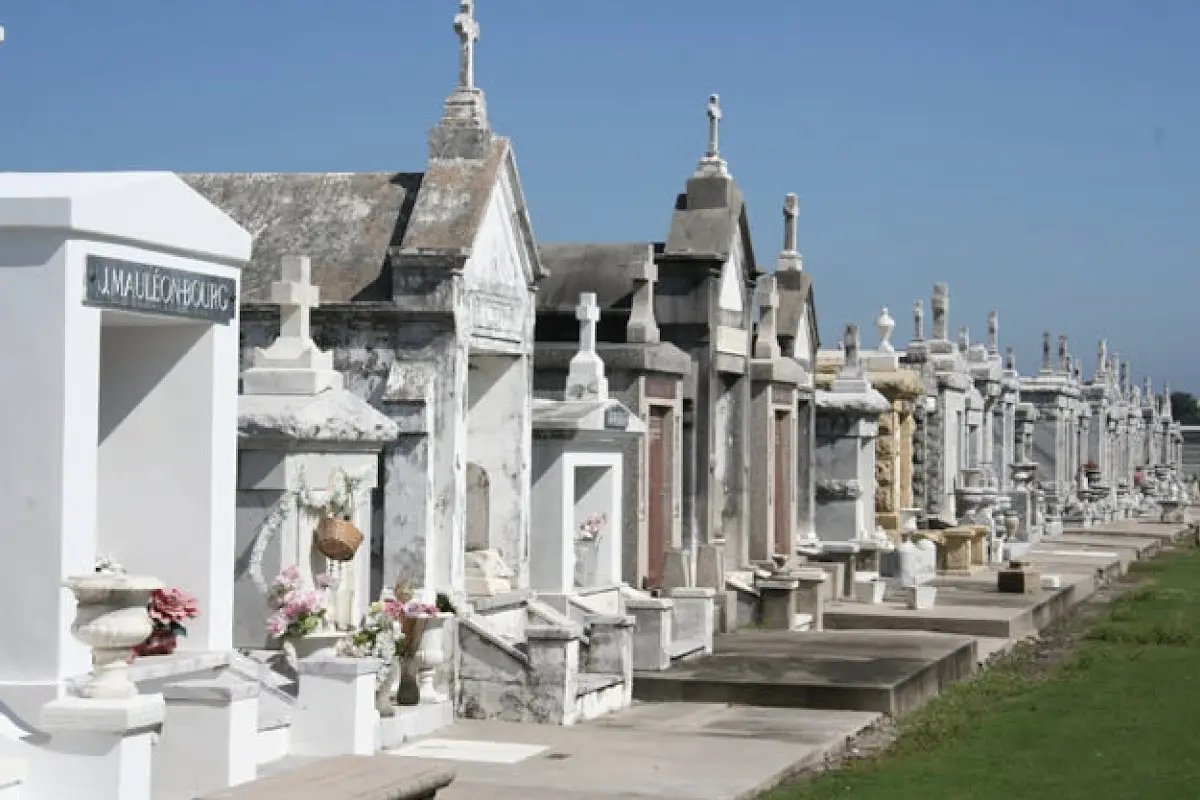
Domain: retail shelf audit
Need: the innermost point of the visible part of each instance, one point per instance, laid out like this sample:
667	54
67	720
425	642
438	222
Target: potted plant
297	610
587	543
169	610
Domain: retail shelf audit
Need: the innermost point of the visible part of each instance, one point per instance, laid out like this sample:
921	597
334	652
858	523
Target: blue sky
1041	156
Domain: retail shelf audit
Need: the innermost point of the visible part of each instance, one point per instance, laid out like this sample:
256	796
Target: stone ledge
216	691
120	717
337	667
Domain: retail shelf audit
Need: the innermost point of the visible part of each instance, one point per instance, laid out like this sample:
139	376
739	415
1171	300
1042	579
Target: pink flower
419	610
325	581
173	606
276	624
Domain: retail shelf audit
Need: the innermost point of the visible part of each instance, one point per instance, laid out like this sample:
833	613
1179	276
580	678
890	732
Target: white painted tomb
122	292
578	474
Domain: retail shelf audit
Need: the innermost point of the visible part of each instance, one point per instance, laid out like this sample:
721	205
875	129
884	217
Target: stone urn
884	324
430	655
111	618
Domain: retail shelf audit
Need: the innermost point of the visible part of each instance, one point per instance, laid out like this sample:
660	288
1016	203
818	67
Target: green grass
1115	718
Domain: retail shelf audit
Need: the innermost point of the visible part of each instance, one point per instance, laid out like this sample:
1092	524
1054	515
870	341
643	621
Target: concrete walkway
681	751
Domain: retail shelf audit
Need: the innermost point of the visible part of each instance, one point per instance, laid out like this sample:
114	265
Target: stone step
590	682
887	671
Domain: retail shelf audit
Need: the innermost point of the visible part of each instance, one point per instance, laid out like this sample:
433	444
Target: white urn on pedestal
111	618
884	324
431	655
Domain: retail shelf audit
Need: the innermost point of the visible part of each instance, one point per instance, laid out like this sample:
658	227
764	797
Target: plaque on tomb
616	418
152	289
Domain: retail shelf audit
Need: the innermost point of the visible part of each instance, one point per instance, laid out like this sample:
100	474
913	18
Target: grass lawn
1114	718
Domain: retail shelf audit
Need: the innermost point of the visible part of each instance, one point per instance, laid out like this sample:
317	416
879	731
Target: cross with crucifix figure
467	28
714	126
585	375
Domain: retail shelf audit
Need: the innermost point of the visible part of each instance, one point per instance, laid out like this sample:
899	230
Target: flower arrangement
339	499
169	609
297	609
591	527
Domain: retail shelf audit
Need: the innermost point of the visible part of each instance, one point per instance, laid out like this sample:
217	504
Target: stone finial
467	28
714	126
884	324
993	345
1046	363
918	321
642	325
851	344
1148	387
766	344
964	339
1101	358
1010	359
1062	352
791	213
293	365
712	163
941	312
585	375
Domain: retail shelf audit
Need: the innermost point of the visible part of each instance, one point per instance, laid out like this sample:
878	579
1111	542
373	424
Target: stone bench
382	777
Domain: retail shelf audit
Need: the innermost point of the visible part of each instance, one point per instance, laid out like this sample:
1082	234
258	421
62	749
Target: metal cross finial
791	212
714	126
467	28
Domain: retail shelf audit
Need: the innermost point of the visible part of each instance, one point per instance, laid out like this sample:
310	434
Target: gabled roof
606	269
344	222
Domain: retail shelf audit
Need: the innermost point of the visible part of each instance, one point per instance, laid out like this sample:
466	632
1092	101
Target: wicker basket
338	539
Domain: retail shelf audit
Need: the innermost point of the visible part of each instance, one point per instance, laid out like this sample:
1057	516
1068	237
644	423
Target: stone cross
993	332
585	375
766	344
296	297
1070	365
1102	357
791	212
714	127
918	321
941	312
1149	387
1062	352
467	28
1046	350
1011	360
588	314
642	325
964	338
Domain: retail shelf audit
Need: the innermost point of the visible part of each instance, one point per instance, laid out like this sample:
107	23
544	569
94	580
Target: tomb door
783	480
660	490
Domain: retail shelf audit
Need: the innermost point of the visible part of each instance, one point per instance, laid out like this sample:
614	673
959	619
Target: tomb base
956	555
1018	578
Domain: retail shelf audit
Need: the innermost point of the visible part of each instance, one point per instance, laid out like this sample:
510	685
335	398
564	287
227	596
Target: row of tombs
472	474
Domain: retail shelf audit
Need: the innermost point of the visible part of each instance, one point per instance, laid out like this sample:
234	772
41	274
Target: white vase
870	592
111	618
430	655
921	598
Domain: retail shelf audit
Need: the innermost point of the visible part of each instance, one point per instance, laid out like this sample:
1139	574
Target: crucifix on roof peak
585	373
791	213
714	126
467	28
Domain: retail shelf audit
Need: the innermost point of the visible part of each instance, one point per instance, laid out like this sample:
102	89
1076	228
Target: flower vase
385	691
111	619
409	693
430	656
586	551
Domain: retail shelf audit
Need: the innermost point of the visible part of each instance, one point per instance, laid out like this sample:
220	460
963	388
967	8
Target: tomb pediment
141	207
